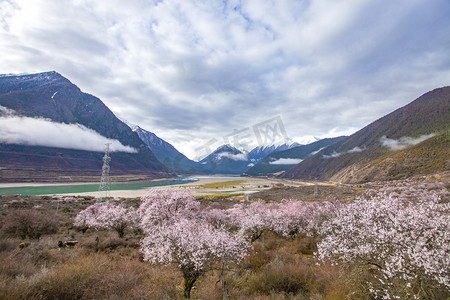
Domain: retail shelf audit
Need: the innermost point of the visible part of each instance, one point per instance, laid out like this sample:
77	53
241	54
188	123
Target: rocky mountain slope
51	100
166	153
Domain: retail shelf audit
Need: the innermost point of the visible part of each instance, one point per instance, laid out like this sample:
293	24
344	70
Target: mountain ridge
165	152
266	166
260	152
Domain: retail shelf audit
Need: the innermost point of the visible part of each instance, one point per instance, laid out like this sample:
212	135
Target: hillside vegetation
429	114
429	157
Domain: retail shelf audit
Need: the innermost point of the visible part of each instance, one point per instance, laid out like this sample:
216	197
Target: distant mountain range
410	140
52	131
277	162
428	157
224	160
258	153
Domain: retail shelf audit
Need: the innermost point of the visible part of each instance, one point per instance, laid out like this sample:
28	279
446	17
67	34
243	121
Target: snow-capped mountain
280	161
226	160
260	152
165	152
305	140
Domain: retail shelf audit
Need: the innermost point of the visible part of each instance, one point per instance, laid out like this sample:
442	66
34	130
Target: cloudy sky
194	71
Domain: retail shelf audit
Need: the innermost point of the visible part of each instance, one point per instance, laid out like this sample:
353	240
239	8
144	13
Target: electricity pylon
105	182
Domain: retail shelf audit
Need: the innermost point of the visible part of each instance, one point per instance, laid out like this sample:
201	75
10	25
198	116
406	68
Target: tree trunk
190	276
120	230
188	284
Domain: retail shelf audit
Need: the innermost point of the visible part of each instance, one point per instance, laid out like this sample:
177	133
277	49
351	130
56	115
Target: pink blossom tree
401	240
112	216
176	232
161	206
109	216
288	218
218	218
87	218
250	219
194	246
293	217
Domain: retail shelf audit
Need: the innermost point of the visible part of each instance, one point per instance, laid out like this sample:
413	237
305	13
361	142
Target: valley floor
204	185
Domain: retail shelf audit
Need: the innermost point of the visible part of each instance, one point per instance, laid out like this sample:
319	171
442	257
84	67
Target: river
43	189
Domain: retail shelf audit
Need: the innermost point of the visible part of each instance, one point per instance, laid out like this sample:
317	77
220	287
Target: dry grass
217	196
103	266
112	268
222	184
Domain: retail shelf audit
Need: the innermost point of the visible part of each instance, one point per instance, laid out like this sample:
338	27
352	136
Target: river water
83	188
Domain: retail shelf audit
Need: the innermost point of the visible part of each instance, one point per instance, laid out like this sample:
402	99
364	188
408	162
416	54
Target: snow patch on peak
53	100
225	148
133	126
305	140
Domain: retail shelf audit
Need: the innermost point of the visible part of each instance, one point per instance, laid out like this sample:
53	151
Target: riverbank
204	185
78	189
198	185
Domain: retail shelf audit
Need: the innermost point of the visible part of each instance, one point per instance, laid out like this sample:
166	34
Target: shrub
30	224
283	277
90	277
7	245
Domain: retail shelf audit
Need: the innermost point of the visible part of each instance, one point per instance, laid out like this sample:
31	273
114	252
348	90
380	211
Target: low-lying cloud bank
43	132
337	154
404	141
286	161
4	111
239	156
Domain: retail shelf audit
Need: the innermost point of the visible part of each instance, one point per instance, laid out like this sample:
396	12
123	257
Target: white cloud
43	132
317	151
5	111
239	156
356	149
337	154
286	161
403	142
333	155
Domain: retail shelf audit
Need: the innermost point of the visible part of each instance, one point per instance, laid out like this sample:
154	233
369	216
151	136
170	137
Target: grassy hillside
428	114
428	157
